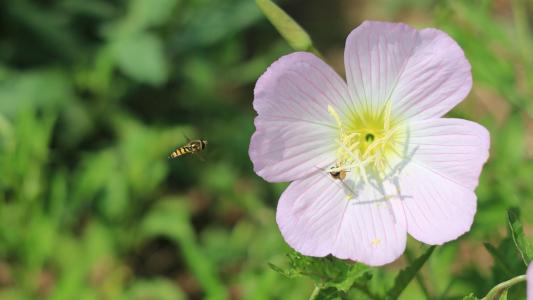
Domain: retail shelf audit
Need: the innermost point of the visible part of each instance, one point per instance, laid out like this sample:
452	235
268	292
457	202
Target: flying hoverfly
192	147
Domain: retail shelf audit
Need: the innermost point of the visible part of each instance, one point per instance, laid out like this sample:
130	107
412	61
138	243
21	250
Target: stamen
386	117
365	142
332	112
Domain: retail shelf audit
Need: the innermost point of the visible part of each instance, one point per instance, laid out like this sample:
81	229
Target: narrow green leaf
291	31
517	232
278	270
498	257
406	275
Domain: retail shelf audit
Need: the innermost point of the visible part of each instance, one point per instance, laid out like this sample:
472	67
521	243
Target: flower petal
373	230
423	73
316	218
309	214
435	79
437	209
294	131
374	57
437	184
454	148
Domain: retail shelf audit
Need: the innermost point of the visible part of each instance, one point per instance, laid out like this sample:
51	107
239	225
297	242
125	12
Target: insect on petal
294	131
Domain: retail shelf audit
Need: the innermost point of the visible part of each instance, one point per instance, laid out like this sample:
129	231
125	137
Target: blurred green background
95	94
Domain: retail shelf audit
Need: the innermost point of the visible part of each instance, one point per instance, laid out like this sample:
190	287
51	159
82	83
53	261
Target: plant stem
496	291
419	277
315	293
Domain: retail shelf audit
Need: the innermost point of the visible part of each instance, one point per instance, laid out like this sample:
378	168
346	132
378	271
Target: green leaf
499	258
327	272
279	270
406	275
354	274
141	57
517	232
47	88
146	13
293	33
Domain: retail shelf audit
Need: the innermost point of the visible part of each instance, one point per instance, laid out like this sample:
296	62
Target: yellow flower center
369	142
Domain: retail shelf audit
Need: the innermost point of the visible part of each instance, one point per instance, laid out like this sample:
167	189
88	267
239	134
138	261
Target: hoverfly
192	147
340	175
337	173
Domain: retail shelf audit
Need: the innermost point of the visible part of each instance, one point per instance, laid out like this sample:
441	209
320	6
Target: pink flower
370	159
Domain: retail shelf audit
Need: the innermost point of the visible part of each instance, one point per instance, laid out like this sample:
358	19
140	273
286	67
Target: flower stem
496	291
315	293
418	276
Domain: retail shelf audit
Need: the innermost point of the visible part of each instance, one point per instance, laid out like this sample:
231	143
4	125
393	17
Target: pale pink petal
294	131
437	209
375	55
454	148
436	185
423	73
309	214
373	230
316	218
530	281
436	78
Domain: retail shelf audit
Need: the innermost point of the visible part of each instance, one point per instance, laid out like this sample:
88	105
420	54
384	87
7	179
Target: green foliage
406	275
141	57
328	272
511	258
523	245
95	94
169	218
155	289
334	278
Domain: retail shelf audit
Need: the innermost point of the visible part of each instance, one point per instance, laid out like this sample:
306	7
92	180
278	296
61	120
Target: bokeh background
95	94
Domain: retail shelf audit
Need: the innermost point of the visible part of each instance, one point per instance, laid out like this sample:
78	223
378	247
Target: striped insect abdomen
181	151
